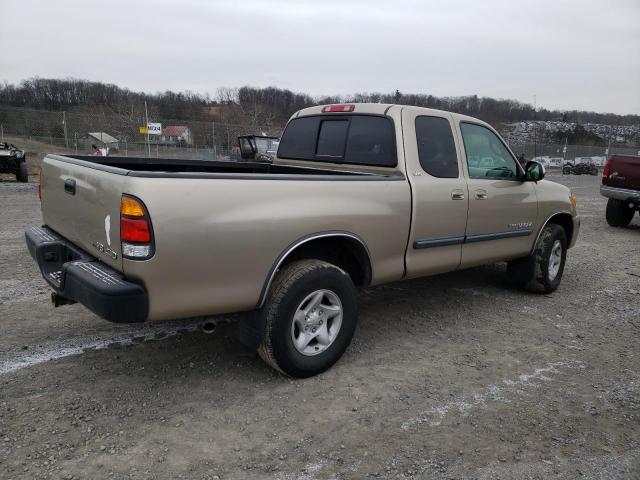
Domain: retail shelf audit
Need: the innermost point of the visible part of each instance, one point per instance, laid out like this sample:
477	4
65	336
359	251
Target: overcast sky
582	54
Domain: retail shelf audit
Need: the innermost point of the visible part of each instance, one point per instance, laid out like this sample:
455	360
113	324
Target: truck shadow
191	377
391	314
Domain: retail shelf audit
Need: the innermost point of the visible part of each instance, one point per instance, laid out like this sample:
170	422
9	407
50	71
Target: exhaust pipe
208	327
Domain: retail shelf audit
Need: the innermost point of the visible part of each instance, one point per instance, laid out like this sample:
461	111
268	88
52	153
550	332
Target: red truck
621	185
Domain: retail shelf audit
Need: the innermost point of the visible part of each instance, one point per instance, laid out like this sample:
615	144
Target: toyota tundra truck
357	195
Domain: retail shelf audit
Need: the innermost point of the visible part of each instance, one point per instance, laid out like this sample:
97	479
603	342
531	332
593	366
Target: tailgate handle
70	186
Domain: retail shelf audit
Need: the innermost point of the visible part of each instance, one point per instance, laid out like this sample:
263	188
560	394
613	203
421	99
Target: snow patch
500	392
53	351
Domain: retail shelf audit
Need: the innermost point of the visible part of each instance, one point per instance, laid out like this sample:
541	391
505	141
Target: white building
176	135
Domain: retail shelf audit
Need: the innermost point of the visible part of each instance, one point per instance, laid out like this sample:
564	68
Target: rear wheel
542	271
618	213
309	317
22	174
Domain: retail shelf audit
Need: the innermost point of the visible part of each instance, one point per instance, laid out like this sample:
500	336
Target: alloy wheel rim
316	322
555	259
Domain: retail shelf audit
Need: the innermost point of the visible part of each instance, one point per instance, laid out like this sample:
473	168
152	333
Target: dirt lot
455	376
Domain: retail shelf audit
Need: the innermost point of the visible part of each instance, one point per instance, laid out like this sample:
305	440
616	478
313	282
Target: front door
502	207
439	193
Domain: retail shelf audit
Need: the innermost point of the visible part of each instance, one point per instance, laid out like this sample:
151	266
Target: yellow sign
143	130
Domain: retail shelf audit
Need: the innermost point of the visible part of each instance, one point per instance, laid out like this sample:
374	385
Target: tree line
261	106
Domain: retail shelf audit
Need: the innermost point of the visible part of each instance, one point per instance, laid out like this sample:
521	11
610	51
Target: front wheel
310	317
618	213
22	173
542	271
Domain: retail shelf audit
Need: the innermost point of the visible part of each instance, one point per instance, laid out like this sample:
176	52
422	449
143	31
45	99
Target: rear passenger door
502	207
439	192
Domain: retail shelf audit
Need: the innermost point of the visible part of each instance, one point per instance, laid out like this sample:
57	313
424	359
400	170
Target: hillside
269	108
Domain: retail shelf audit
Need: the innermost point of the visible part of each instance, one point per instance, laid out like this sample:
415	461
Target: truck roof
382	109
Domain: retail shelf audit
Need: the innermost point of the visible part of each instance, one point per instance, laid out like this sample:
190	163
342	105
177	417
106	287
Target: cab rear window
351	139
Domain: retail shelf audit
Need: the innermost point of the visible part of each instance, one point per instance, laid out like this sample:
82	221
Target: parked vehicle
567	168
13	160
621	185
579	169
259	148
585	169
359	194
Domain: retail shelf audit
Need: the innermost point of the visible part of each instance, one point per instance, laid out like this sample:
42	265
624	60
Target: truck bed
173	167
219	226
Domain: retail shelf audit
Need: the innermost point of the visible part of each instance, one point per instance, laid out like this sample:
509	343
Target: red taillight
136	231
607	169
338	108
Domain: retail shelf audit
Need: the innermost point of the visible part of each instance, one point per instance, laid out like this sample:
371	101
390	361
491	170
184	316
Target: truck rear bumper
75	275
624	194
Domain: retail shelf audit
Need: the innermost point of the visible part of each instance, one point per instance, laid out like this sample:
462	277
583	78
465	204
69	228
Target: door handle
457	195
481	194
70	186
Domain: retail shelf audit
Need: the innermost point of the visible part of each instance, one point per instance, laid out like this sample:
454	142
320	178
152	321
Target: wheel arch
341	248
563	219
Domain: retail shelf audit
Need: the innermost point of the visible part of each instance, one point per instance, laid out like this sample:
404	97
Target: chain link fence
39	132
555	155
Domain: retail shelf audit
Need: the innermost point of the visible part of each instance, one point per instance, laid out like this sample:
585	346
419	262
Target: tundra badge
520	226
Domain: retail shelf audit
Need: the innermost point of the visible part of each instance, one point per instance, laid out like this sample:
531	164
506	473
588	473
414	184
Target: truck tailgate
624	172
83	205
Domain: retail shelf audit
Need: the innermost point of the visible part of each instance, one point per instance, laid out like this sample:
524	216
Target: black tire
22	174
291	286
618	213
532	273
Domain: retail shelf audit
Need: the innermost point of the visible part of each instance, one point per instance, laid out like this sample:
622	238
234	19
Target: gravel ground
454	376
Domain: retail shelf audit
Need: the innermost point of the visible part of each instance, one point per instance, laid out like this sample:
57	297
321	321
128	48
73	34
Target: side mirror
533	171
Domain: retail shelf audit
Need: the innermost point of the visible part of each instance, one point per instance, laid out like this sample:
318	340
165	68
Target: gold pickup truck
358	194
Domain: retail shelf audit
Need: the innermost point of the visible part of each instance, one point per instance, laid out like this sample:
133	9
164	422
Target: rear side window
352	139
436	148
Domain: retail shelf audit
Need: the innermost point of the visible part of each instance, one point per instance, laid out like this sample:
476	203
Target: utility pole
213	140
64	123
535	128
564	154
146	115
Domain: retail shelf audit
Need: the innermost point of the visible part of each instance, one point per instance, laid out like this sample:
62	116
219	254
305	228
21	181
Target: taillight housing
338	108
606	171
136	232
